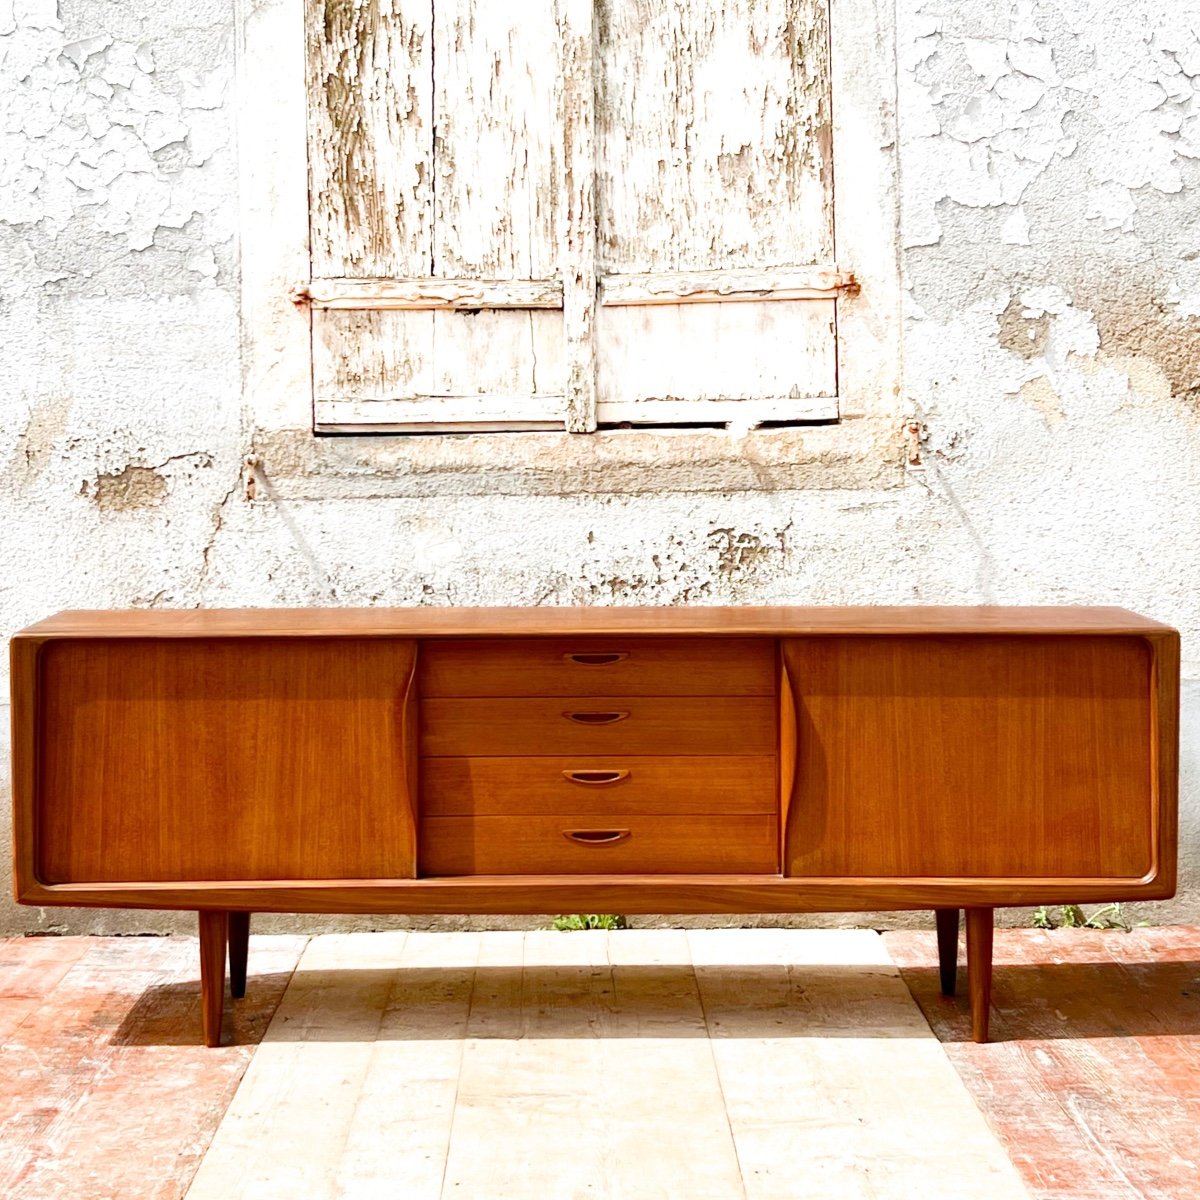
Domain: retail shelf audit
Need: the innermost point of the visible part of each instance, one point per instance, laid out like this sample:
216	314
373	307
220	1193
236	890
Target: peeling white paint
994	114
1015	230
86	125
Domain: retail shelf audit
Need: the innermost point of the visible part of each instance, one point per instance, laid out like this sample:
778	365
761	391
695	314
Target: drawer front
575	725
569	846
597	787
598	667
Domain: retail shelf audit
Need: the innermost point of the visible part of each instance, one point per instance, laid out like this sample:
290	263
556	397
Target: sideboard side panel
972	757
1165	649
223	759
23	668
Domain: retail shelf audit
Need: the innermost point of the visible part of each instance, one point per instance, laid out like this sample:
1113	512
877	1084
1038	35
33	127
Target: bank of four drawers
589	756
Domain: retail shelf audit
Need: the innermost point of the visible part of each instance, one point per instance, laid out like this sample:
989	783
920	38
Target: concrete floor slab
510	1066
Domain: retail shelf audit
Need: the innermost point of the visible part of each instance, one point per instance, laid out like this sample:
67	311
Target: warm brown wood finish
597	786
905	621
984	757
214	934
980	927
580	725
258	759
638	845
530	894
947	920
239	945
615	760
586	666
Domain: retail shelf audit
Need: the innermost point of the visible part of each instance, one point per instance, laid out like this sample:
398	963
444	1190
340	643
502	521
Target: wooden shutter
715	212
474	164
435	188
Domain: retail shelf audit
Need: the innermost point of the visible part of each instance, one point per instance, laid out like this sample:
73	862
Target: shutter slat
467	294
370	137
723	287
467	361
495	83
439	414
578	257
674	358
713	135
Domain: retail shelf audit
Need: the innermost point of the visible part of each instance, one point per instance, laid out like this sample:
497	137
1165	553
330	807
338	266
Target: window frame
274	181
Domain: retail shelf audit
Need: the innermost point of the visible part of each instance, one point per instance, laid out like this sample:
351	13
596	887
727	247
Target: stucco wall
1050	241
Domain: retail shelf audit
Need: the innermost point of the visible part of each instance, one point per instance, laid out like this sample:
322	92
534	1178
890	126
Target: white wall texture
1049	160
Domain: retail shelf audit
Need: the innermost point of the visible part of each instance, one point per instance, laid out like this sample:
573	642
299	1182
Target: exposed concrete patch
858	453
44	429
1136	322
739	552
1022	333
129	488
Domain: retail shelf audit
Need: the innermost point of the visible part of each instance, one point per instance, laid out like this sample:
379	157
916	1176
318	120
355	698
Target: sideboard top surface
429	622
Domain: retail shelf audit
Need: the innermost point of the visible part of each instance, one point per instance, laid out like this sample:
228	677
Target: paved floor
721	1063
1093	1081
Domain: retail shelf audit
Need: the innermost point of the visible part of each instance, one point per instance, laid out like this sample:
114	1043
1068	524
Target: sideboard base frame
222	931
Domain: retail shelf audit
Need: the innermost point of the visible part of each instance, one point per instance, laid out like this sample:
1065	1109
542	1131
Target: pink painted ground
105	1091
1092	1081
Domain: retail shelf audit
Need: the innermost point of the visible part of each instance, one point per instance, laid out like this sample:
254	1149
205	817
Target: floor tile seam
462	1057
986	1126
737	1156
186	1185
348	1127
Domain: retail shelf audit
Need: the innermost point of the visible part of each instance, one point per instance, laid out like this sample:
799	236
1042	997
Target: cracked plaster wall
1050	235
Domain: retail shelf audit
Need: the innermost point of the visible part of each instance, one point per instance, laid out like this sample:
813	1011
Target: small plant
573	921
1108	917
1072	916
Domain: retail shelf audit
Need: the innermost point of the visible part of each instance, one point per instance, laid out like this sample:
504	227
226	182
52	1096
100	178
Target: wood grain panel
191	760
995	757
428	368
713	134
642	667
538	845
692	621
496	81
659	893
654	725
539	785
370	137
663	362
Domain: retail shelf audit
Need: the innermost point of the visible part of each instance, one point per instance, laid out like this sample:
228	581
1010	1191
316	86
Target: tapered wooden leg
214	934
979	969
239	944
947	939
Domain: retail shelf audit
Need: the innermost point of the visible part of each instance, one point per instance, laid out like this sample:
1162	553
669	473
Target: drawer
597	787
593	666
637	846
575	725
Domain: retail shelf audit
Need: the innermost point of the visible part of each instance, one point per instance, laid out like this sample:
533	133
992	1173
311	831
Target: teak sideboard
694	760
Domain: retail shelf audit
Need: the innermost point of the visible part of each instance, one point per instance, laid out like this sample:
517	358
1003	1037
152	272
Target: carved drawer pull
596	718
596	778
595	837
597	660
